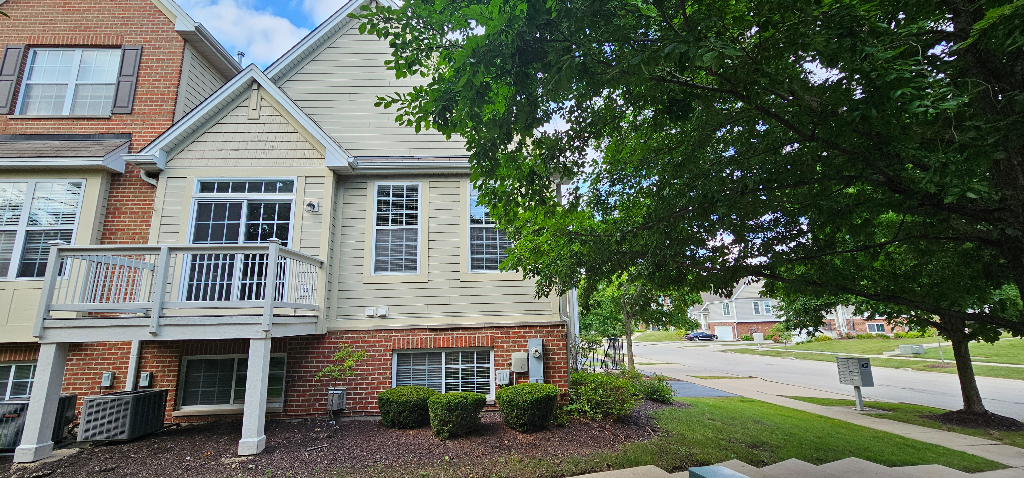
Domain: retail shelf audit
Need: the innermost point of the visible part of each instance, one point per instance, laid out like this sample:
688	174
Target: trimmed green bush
654	388
746	338
821	338
599	396
527	407
455	414
405	406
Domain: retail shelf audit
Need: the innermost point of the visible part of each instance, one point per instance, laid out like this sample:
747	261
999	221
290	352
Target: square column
257	376
37	438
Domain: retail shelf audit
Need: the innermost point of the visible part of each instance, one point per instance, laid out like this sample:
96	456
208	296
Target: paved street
1002	396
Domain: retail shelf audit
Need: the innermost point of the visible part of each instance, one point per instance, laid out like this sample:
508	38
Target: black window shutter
10	68
127	78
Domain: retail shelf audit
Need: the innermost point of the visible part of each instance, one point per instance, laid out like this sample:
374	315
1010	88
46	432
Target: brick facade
18	352
743	328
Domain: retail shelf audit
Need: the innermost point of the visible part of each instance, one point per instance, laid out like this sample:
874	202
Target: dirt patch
316	448
940	365
984	421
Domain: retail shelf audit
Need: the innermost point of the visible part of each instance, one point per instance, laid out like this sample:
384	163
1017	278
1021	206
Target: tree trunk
964	368
629	339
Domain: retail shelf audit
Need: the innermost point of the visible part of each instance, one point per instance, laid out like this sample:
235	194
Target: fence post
159	288
52	271
270	290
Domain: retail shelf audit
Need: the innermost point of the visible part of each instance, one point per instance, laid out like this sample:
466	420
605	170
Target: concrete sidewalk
776	393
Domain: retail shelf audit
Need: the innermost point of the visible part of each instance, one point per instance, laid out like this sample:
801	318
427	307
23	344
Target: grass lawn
659	336
912	414
861	346
1006	350
714	430
993	371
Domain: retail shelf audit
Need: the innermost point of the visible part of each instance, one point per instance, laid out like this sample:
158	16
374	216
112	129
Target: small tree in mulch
345	360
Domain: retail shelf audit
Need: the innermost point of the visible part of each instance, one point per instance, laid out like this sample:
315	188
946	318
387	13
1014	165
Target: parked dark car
700	336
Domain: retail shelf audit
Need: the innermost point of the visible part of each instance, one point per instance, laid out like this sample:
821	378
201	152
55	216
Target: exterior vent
122	415
12	420
336	399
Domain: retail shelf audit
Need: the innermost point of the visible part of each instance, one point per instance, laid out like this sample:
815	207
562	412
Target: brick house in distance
292	216
82	84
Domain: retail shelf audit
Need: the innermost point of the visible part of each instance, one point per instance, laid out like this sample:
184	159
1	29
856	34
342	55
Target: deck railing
127	279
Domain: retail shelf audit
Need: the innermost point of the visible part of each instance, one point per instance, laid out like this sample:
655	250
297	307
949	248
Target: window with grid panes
757	308
16	381
396	234
487	244
445	371
876	328
32	214
69	81
214	381
768	308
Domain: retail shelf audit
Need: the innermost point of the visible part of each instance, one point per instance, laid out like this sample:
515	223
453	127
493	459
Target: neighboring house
292	216
743	312
82	84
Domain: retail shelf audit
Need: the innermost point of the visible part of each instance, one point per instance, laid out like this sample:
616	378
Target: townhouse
291	217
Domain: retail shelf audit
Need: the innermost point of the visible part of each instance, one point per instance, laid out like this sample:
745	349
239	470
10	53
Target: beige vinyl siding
338	87
443	298
199	80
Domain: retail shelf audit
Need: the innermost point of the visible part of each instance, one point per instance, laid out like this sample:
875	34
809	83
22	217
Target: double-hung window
487	244
445	370
237	212
396	228
219	381
69	81
32	214
768	308
876	328
726	311
757	308
16	381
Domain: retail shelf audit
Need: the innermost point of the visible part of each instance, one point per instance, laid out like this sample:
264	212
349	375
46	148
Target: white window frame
6	394
444	363
419	228
72	83
768	308
23	228
469	236
757	307
726	310
869	325
234	378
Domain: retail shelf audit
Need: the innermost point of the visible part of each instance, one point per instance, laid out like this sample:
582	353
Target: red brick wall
305	396
18	352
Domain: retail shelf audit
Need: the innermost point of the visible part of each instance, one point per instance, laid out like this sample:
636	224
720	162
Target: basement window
445	370
876	328
219	381
16	381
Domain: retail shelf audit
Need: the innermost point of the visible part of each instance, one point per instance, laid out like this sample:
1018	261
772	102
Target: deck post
159	288
254	439
37	437
270	292
50	280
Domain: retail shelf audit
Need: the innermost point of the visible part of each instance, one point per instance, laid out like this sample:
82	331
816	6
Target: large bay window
445	370
70	81
487	244
32	214
219	381
396	228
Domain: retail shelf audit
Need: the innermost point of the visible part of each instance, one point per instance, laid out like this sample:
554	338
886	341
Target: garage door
724	332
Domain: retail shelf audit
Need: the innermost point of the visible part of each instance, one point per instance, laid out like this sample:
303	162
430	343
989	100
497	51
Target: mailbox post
855	371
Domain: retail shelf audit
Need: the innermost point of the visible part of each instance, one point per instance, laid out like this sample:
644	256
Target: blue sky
263	29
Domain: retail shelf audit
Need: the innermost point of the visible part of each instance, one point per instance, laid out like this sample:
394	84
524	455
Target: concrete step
793	468
649	471
1004	473
932	471
742	468
680	474
856	467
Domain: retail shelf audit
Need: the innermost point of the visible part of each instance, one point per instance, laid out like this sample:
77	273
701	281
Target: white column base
252	446
30	453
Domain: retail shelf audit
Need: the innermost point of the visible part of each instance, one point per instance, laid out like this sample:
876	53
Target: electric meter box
520	362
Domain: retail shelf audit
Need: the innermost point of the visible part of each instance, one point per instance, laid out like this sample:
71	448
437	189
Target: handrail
139	278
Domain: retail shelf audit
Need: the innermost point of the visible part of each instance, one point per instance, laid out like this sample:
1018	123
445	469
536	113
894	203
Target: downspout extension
133	365
151	180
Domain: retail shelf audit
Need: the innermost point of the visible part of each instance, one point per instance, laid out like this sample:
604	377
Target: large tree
846	147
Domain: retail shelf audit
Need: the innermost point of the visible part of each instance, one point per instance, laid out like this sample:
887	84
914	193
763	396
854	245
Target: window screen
396	229
221	381
487	244
447	371
70	82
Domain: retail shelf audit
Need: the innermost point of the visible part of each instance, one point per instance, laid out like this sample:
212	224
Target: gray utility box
337	399
122	415
12	420
911	349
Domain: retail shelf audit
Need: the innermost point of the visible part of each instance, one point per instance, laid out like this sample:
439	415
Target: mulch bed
985	421
316	448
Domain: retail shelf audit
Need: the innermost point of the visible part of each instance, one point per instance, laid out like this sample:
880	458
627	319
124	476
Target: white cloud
319	10
262	35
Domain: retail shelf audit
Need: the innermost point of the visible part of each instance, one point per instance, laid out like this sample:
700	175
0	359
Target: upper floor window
768	308
396	228
32	214
487	244
757	308
725	309
79	82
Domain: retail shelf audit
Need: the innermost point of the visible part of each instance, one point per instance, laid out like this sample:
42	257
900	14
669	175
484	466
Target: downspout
146	178
133	365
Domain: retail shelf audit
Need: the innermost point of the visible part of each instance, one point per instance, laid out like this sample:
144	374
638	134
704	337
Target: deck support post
254	439
37	437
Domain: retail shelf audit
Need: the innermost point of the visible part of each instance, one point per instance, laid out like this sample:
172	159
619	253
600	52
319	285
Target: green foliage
914	334
527	407
746	338
455	414
600	396
865	336
345	360
601	310
780	332
821	338
405	406
654	388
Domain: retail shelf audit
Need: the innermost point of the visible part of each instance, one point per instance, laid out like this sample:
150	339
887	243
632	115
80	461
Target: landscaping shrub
865	336
746	338
654	388
598	396
883	337
405	406
455	414
821	338
527	407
